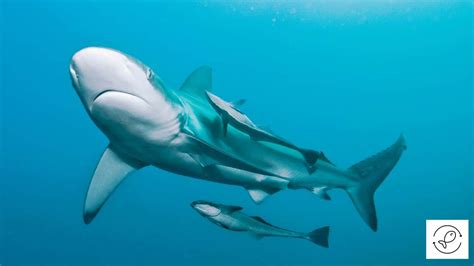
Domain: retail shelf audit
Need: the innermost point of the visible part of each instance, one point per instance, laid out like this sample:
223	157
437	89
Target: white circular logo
447	239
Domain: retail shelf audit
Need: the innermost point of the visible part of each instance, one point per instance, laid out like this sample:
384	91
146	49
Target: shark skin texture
192	132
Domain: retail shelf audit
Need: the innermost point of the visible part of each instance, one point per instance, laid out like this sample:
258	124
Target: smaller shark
231	218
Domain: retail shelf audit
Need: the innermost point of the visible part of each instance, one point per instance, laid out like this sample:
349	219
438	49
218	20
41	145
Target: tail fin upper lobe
371	172
320	236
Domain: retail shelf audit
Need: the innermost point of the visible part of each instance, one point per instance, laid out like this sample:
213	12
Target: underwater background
344	77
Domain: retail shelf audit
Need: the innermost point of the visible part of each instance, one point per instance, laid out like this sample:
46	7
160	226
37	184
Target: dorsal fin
199	81
238	103
260	219
231	208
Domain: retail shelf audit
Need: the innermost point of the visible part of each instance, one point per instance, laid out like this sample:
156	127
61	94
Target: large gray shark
231	218
183	131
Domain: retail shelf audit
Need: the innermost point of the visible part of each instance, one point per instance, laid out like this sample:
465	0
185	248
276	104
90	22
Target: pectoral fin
110	172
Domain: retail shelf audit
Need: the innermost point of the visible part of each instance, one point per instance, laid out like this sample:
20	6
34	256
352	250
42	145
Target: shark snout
90	52
81	60
94	70
74	76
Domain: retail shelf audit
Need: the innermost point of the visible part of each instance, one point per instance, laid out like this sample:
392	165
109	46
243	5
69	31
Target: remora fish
231	115
179	131
231	218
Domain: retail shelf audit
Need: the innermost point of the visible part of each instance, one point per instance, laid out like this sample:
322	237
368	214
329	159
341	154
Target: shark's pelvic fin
371	173
198	82
110	172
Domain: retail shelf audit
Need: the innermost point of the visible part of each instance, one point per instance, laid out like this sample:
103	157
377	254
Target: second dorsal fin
198	82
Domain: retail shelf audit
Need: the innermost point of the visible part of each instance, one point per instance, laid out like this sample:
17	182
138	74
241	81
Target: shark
192	132
232	218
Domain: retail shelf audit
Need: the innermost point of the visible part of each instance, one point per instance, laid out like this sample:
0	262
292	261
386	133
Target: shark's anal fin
321	192
109	173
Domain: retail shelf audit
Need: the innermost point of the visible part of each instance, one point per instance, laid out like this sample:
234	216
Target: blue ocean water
345	77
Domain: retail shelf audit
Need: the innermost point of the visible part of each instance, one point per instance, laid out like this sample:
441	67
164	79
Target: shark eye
149	74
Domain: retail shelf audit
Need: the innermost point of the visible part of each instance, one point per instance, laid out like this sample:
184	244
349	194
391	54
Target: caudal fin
320	236
370	173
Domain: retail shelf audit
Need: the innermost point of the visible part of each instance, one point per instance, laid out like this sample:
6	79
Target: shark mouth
117	91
